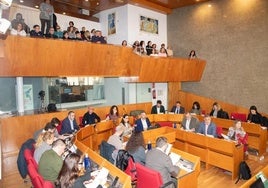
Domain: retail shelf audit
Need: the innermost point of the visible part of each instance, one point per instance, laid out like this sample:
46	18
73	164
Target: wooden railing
24	56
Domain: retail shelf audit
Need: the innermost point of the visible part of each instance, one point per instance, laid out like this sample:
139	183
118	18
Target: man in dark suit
69	124
143	123
207	127
178	109
190	123
158	108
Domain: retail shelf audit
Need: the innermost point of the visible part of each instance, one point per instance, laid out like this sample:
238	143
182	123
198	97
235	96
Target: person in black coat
218	112
178	109
158	108
254	116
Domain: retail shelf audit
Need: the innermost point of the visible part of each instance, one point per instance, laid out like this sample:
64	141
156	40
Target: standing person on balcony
46	16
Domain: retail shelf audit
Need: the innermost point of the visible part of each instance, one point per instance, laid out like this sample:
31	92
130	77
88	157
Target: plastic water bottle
86	162
149	145
174	125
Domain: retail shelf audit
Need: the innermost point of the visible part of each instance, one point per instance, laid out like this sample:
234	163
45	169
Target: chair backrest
219	131
37	179
131	169
147	177
239	116
59	127
28	154
106	151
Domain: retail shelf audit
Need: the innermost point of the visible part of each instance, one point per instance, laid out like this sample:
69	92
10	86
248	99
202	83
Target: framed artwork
111	24
28	97
149	25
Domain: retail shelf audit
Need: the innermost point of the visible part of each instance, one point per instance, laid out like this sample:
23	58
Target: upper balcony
34	57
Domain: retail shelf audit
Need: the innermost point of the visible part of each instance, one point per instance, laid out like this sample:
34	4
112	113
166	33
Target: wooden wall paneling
173	89
187	100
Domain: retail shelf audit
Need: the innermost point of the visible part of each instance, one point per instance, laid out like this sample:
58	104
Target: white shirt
158	110
144	124
187	125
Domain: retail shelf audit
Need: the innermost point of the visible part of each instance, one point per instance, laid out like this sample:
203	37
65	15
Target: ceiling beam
151	6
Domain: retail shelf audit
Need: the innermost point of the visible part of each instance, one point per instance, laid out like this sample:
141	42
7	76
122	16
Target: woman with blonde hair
43	143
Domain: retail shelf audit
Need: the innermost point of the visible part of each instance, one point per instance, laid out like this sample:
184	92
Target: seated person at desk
158	160
196	109
90	117
56	122
218	112
190	123
51	161
143	123
178	109
116	140
238	134
207	127
136	147
43	144
126	126
158	108
254	116
69	174
69	124
49	127
113	114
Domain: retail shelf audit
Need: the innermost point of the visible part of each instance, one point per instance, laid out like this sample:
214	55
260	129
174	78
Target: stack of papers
100	178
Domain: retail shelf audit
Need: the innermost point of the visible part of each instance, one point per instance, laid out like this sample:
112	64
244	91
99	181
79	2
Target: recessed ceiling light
86	0
36	6
21	1
209	5
64	13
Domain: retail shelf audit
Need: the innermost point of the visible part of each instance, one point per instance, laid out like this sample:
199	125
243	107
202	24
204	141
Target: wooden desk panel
124	179
189	180
212	151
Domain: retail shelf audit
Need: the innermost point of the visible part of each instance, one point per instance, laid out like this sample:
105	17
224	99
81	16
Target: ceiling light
64	13
209	5
21	1
36	6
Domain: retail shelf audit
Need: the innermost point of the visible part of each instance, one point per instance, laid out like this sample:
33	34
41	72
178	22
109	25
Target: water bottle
86	162
149	146
174	125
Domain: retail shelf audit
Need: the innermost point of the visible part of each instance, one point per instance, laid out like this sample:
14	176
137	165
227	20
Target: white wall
120	24
133	29
31	17
128	25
